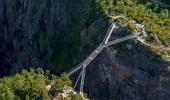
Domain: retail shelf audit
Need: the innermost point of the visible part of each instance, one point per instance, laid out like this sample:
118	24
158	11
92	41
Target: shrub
29	85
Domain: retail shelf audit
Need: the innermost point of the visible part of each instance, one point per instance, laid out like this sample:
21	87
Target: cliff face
132	77
126	71
46	33
32	31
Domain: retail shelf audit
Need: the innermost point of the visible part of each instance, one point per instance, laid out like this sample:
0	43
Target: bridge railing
104	44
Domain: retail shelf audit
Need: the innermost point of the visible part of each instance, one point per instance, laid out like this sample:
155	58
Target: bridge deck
104	44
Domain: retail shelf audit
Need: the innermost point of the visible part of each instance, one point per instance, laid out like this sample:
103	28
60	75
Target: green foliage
76	97
132	27
122	21
27	97
60	82
165	53
156	22
48	46
45	96
29	85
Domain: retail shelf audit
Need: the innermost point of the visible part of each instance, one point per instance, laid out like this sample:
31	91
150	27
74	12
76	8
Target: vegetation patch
155	20
32	85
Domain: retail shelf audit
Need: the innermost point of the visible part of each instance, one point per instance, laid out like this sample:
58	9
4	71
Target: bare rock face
34	32
120	73
21	21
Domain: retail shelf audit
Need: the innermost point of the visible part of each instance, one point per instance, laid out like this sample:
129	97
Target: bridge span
105	43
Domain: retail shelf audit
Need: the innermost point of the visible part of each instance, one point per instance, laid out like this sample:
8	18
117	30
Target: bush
76	97
156	22
30	85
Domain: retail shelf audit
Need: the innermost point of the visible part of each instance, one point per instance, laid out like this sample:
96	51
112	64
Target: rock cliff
46	33
34	31
126	71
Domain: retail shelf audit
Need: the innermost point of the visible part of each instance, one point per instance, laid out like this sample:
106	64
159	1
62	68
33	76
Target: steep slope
58	34
36	84
40	33
129	70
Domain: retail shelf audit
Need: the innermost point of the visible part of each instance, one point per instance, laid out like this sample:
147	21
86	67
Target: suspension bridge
106	43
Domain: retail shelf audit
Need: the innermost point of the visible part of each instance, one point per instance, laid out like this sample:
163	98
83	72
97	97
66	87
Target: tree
29	85
64	80
27	97
45	96
76	97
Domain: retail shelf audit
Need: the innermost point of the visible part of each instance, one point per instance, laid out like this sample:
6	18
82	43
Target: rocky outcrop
126	71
